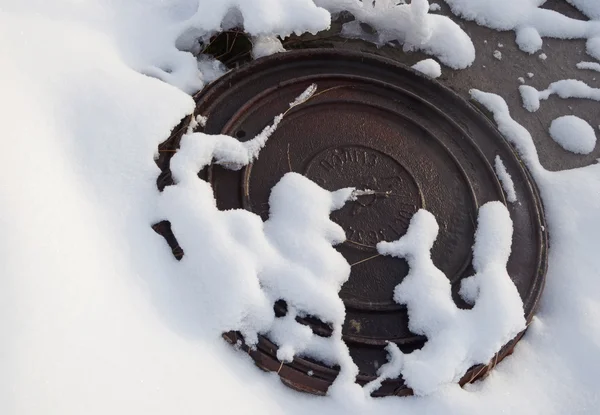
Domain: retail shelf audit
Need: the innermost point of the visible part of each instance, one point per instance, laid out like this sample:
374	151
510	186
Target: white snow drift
566	88
456	339
505	179
428	67
410	24
573	134
95	313
531	22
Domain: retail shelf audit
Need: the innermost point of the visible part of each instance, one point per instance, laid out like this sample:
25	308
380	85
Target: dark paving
501	77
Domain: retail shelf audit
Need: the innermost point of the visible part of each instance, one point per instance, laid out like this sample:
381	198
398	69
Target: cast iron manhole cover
379	126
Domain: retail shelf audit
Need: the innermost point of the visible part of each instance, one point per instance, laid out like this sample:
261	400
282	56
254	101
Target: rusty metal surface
379	125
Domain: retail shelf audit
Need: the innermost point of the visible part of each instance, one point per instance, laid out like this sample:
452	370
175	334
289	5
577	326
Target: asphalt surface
501	77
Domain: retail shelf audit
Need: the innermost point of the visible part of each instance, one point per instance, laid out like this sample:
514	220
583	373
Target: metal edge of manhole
382	126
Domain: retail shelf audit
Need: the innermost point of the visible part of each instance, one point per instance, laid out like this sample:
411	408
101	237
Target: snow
304	270
266	46
434	7
573	134
505	179
428	67
530	97
529	40
498	55
566	88
260	17
569	308
530	74
409	24
590	8
96	314
269	264
543	56
530	21
593	66
426	291
210	69
521	80
264	20
304	96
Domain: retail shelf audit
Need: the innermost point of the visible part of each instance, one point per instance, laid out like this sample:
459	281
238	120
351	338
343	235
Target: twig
495	361
229	48
203	51
359	244
316	95
368	192
365	260
477	374
331	89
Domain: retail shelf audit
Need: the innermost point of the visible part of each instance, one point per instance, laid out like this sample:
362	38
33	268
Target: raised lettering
326	165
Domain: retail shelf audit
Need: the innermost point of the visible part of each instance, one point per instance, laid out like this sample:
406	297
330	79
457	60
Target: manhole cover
377	125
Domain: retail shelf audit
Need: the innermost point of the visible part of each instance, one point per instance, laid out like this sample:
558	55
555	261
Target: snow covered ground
97	316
